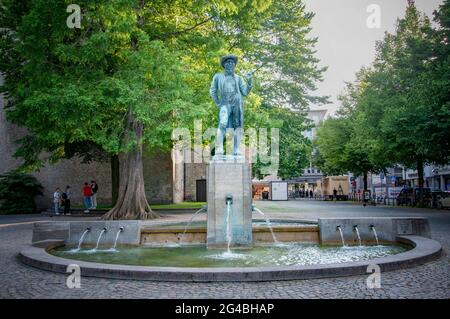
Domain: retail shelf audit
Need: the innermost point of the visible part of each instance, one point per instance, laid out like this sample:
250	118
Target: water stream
80	242
190	221
117	237
99	238
228	234
342	236
357	234
268	224
375	233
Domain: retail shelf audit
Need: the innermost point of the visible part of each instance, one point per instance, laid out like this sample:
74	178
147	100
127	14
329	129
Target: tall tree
398	108
108	83
407	87
133	71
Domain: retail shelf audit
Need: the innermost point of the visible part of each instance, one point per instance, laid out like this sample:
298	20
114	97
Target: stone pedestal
229	176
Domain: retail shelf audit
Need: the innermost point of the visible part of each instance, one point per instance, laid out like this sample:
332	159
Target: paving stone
431	280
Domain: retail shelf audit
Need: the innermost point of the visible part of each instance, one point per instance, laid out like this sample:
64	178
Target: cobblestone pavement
431	280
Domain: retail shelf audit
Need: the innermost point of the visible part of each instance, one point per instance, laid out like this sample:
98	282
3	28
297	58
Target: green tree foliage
398	109
413	94
137	69
330	142
294	147
17	193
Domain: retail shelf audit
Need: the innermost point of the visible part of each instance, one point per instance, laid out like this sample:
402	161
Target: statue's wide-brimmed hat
228	57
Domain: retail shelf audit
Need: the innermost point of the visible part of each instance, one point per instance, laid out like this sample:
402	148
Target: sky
346	43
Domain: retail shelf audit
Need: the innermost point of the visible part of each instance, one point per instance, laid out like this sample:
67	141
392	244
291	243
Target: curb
424	250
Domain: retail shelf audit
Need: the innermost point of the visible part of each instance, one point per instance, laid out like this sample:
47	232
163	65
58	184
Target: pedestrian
66	196
87	194
311	193
334	194
94	188
56	200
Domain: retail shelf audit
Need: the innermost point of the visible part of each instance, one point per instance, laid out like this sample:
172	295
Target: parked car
410	196
443	200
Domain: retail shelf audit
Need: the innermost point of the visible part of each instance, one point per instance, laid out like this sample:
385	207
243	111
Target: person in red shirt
87	194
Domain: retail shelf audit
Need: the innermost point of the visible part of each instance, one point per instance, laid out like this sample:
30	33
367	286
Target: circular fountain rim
424	250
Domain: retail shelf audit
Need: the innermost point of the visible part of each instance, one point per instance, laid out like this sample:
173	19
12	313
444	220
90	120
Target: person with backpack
66	200
87	194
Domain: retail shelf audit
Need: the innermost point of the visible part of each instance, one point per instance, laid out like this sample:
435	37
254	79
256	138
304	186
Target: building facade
435	177
310	175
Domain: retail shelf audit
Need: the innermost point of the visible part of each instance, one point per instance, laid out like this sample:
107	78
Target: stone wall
66	172
387	229
193	172
158	178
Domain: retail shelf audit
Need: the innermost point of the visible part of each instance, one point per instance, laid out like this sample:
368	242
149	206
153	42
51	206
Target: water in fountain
357	234
190	221
268	224
81	240
375	233
342	236
258	256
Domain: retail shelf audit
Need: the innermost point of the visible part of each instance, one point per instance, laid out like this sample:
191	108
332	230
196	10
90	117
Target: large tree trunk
115	173
365	181
131	202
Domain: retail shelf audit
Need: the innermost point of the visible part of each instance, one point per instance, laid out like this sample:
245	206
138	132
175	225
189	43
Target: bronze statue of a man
231	89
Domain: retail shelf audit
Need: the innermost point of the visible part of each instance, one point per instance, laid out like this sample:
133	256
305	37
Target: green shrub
17	193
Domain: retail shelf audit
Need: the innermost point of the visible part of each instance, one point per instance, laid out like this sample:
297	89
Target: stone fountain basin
409	231
423	250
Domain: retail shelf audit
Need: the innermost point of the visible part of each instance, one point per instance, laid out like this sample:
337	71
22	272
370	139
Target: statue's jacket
217	86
